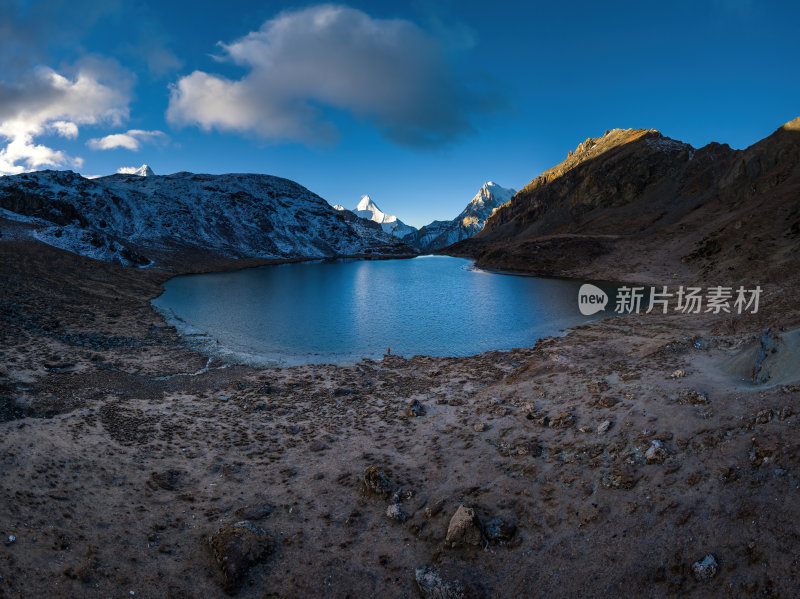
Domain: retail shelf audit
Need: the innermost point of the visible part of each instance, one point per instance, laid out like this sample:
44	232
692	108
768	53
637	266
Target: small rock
499	531
479	427
236	548
620	477
12	539
415	409
376	482
678	374
603	427
656	453
169	480
402	495
706	569
434	507
694	398
563	420
254	512
431	585
464	528
395	512
764	416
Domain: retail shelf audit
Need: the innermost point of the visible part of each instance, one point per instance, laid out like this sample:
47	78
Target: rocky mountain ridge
141	220
442	233
634	202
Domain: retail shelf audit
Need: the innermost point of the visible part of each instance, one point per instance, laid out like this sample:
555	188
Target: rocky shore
628	458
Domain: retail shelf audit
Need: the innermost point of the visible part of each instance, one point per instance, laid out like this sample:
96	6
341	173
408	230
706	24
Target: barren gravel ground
123	452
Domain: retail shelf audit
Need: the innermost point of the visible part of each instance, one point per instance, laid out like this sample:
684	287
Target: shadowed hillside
636	205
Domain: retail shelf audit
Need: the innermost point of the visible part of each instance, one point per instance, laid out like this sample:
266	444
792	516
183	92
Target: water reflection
343	311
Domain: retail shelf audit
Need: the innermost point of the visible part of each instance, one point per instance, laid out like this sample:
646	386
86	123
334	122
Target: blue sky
415	104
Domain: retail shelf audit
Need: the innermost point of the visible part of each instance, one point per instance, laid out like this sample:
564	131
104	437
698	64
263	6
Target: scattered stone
522	448
402	495
598	386
607	402
786	412
343	391
540	419
499	531
656	453
169	480
431	585
12	539
479	427
764	416
603	427
706	569
771	345
395	512
620	478
678	374
693	397
464	528
415	409
236	549
434	507
376	482
563	420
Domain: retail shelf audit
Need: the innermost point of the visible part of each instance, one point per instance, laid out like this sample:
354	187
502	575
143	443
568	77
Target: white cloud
130	140
49	102
387	72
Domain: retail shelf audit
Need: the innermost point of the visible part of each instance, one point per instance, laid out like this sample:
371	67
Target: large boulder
236	548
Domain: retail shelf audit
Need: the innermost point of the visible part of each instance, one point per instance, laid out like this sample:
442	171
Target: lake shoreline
434	306
116	477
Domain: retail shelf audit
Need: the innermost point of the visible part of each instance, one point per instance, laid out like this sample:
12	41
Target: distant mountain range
442	233
141	219
439	233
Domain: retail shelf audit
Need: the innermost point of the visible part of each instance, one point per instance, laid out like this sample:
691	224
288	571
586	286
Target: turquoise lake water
342	311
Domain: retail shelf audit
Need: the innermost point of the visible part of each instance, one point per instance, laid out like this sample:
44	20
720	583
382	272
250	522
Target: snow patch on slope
136	219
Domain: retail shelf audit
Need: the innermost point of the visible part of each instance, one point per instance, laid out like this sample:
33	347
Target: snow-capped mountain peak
369	210
142	171
439	234
492	193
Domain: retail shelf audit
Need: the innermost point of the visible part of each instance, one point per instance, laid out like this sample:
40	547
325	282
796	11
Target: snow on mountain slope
133	219
369	210
142	171
441	233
